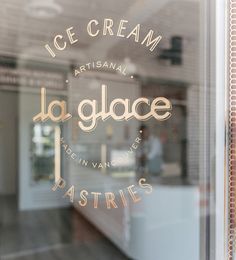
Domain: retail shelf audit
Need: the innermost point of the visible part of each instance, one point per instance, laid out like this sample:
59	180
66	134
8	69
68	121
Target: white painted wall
8	142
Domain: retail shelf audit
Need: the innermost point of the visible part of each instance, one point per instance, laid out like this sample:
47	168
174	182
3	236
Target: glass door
40	156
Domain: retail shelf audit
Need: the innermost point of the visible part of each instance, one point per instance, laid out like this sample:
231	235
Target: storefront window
117	111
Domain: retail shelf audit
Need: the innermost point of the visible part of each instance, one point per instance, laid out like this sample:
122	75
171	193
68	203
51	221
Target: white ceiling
21	33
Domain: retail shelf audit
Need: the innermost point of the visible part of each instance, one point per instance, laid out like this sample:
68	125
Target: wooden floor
61	234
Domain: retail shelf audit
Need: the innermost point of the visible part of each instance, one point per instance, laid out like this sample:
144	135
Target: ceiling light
43	9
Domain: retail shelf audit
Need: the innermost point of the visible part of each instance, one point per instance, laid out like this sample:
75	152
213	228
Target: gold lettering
161	104
108	23
133	194
110	200
70	193
70	35
43	116
95	201
56	43
145	185
89	28
135	32
149	40
121	28
83	195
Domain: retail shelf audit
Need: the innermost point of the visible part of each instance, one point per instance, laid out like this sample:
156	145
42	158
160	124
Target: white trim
220	28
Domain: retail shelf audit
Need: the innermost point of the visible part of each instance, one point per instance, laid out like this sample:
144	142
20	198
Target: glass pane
112	127
42	152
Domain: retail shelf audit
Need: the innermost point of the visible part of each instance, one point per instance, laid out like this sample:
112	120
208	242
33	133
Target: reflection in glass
42	152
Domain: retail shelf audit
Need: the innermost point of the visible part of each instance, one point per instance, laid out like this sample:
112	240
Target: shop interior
107	220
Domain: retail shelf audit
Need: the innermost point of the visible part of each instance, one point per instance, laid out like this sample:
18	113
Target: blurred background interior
173	222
